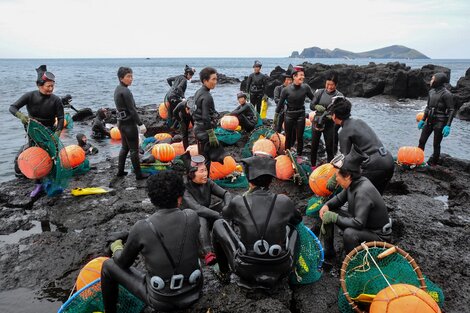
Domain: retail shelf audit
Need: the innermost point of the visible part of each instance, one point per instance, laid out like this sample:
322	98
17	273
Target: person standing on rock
293	96
379	166
323	124
263	252
42	106
198	197
129	123
176	93
173	279
438	116
366	218
255	86
245	112
277	96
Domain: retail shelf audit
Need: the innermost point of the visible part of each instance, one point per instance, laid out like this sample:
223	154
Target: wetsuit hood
80	139
101	113
44	75
439	80
256	166
353	161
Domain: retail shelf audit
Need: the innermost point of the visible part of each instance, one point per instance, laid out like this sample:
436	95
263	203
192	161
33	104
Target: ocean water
91	82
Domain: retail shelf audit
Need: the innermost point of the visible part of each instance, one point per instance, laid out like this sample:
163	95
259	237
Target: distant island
391	52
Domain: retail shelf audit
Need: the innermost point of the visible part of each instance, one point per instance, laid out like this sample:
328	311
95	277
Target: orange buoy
410	156
162	136
219	170
179	148
163	110
193	150
311	116
264	146
71	156
35	163
163	152
419	116
318	180
90	272
284	168
403	298
115	133
229	122
279	141
308	123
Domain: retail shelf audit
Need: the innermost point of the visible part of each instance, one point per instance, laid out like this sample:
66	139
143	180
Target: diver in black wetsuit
293	96
98	127
380	165
437	117
83	143
129	123
263	253
255	86
198	194
178	86
173	278
366	218
245	112
277	96
323	124
43	106
182	114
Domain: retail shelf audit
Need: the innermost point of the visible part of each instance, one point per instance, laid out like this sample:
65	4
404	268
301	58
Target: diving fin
89	191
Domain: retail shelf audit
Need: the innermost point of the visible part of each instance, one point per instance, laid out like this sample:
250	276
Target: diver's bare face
127	79
47	89
299	78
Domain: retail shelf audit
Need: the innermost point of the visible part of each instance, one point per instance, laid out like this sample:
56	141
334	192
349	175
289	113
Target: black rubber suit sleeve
282	99
337	201
248	84
315	100
363	205
240	110
179	108
448	99
170	80
426	110
277	94
201	210
21	102
220	192
130	105
131	250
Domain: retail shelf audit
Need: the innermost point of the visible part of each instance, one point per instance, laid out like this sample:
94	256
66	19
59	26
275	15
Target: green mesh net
68	120
309	257
228	137
152	168
308	133
89	300
59	177
257	133
238	181
314	205
363	277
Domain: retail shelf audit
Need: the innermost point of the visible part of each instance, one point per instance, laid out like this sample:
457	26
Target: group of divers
251	235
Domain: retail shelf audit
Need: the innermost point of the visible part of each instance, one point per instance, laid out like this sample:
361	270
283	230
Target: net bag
238	181
257	133
364	271
228	137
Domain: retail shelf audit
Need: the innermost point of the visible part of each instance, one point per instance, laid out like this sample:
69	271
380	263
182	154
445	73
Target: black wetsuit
439	113
128	120
277	97
246	115
330	131
185	119
198	198
182	245
367	214
178	86
379	168
87	147
255	86
252	267
293	96
98	128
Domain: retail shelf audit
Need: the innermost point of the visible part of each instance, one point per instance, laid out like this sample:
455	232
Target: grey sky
242	28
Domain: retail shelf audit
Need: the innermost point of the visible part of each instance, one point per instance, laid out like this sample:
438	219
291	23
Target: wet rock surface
45	243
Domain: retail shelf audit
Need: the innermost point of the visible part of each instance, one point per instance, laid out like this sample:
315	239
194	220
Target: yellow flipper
364	298
89	191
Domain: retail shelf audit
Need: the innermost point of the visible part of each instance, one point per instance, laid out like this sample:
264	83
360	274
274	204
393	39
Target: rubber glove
446	131
329	217
23	118
319	108
332	184
421	124
213	142
116	245
142	129
276	119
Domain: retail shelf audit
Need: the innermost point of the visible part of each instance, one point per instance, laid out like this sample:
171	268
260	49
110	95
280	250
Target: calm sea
91	82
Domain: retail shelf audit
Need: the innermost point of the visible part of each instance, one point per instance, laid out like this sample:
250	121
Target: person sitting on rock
287	76
176	93
198	194
263	252
366	218
98	127
82	141
245	112
379	166
173	278
438	116
255	85
182	114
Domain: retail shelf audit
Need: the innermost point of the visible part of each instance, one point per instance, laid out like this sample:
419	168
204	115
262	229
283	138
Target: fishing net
257	133
361	275
314	205
68	121
309	257
228	137
89	300
152	168
308	133
59	177
82	168
238	181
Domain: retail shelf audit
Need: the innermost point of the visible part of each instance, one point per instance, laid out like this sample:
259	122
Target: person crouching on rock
182	114
98	127
366	218
82	141
245	112
176	93
198	194
263	253
173	279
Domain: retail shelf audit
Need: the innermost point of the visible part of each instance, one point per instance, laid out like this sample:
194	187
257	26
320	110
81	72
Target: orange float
90	272
402	298
279	141
163	110
318	180
229	122
193	150
35	163
410	156
264	146
72	156
115	133
284	169
163	152
219	170
179	148
419	116
162	136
